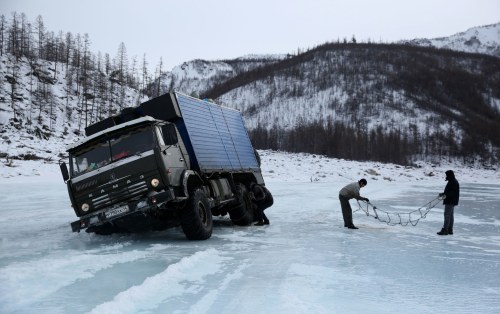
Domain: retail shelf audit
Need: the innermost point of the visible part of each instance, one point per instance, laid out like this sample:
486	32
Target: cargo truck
172	161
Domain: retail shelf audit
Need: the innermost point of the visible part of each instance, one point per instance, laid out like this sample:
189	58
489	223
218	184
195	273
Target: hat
450	174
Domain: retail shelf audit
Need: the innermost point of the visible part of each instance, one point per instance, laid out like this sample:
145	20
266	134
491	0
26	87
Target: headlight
155	182
85	207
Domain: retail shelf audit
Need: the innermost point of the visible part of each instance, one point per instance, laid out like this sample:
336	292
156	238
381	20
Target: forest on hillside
431	103
88	76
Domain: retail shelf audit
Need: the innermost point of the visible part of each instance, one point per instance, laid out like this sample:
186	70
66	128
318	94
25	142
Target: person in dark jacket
451	195
262	199
345	194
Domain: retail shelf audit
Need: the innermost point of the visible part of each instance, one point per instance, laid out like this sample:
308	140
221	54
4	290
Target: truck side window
169	134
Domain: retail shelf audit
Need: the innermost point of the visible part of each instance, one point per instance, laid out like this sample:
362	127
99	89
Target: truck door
171	154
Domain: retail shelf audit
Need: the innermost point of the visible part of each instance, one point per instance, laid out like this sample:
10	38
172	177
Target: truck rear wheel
196	217
243	214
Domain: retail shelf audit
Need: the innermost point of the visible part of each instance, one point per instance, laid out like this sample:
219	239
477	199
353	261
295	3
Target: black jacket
452	189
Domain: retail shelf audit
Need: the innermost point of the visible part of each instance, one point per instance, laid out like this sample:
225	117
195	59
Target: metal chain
393	219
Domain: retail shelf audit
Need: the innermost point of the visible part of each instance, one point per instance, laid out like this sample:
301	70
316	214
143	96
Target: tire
243	214
196	217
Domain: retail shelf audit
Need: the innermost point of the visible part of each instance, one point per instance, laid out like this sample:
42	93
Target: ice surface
304	262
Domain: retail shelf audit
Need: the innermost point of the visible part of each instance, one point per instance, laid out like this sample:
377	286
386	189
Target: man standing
346	193
451	195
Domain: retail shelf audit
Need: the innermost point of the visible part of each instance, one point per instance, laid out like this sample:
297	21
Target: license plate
116	211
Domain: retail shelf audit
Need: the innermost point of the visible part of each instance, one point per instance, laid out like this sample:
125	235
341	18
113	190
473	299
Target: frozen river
304	262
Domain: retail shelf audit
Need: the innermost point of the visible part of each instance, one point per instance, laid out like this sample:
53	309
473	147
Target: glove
367	200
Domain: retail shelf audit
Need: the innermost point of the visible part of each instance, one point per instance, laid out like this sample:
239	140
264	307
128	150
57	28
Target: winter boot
443	232
450	231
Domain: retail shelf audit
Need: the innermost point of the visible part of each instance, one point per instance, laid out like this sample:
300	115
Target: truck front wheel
196	217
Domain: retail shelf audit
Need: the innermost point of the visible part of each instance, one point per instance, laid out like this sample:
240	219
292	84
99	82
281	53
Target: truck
171	161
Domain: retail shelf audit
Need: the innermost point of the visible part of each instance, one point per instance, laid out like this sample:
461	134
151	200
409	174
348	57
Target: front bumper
119	211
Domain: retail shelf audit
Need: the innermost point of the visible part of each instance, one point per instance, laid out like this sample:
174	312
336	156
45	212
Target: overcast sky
184	30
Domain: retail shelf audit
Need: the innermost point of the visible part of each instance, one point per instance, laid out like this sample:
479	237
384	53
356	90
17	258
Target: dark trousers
259	214
448	217
263	204
346	211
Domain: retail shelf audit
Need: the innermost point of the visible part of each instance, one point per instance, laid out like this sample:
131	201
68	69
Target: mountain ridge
481	39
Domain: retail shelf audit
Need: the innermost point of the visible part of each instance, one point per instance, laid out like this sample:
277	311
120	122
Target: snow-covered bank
284	167
289	167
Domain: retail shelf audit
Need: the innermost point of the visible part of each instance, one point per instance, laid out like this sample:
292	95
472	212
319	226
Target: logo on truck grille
116	185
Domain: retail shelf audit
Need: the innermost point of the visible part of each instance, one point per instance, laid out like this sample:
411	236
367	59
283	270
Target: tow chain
393	219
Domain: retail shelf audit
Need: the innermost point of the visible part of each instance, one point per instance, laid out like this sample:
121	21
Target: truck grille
119	194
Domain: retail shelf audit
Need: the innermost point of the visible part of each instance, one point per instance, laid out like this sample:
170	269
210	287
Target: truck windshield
116	147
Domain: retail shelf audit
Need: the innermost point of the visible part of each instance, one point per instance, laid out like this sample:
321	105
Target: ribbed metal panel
217	135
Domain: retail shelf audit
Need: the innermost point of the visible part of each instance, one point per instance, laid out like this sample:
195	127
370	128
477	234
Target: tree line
340	140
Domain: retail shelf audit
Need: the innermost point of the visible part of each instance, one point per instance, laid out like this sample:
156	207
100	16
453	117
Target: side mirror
64	170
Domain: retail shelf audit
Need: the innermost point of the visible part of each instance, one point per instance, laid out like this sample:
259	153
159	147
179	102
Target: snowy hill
40	112
390	103
193	77
481	39
411	98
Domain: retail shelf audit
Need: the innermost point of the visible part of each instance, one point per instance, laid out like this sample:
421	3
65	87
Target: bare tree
14	42
121	63
24	36
3	25
144	74
94	78
59	51
131	78
41	35
69	46
107	64
122	69
85	76
101	82
159	77
68	74
76	60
